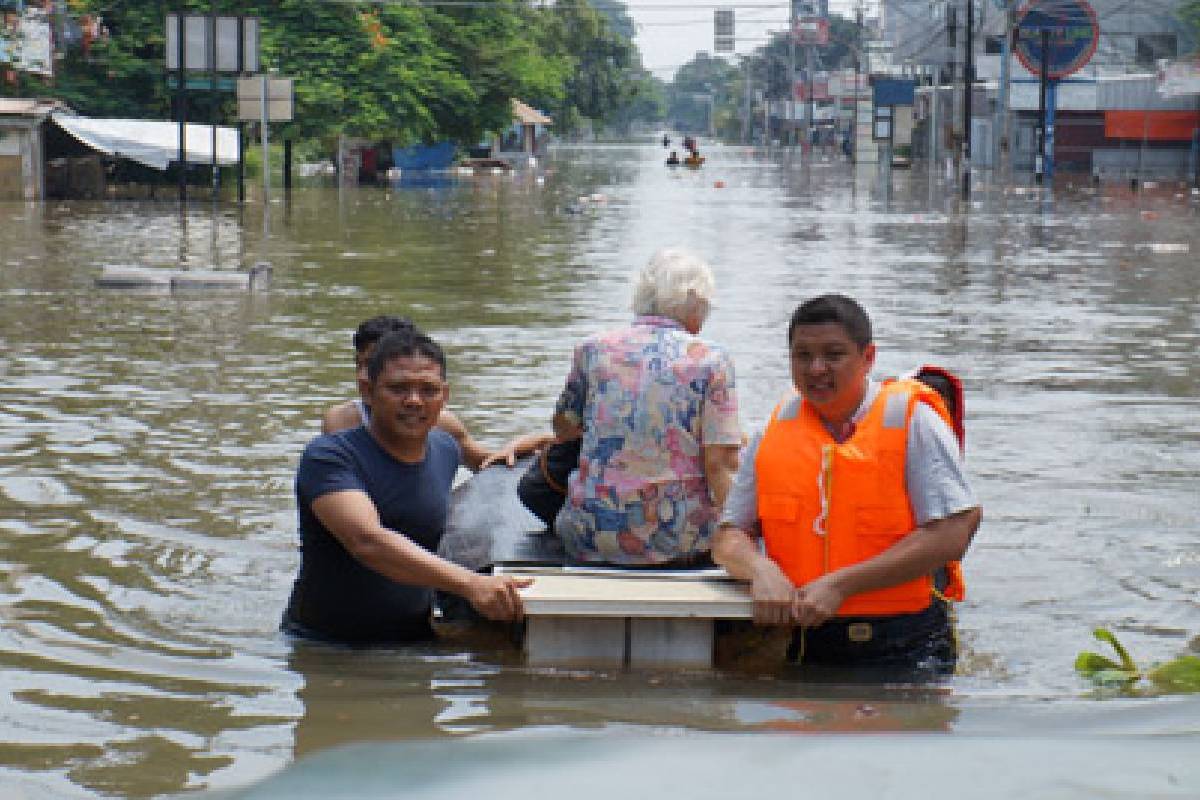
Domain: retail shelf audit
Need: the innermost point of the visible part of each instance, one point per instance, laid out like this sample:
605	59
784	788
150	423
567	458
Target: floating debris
1164	247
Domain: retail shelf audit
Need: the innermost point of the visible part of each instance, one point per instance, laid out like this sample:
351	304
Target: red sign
820	90
810	30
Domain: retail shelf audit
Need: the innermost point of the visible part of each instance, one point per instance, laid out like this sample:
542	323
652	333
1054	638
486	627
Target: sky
669	32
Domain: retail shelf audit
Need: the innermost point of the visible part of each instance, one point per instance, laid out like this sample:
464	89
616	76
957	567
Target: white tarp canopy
151	142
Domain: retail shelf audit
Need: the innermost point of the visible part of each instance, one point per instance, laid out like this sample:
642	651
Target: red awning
1154	126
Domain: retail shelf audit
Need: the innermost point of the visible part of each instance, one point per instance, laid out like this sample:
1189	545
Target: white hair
675	283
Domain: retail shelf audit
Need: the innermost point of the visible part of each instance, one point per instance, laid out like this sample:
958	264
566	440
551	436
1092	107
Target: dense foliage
1189	12
399	71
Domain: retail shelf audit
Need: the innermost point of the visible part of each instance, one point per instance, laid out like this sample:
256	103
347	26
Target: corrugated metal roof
528	116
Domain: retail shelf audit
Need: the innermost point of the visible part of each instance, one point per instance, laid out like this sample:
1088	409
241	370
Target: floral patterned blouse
648	397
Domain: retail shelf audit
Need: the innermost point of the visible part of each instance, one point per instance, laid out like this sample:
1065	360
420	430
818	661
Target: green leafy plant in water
1180	675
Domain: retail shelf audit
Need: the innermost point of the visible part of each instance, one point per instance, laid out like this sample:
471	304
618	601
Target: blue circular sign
1073	31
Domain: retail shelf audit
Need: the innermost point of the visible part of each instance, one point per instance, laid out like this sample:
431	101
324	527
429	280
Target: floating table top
664	594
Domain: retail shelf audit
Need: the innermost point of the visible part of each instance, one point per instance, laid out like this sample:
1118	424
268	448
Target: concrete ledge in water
641	618
167	281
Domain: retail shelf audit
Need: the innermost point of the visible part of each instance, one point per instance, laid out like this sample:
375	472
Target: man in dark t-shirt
373	503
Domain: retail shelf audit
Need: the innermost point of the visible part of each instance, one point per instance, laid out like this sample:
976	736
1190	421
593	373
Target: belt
884	638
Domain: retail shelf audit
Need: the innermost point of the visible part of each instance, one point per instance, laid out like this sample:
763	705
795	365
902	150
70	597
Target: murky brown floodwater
147	536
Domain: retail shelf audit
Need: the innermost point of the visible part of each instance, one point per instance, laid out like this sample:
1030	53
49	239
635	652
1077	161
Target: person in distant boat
373	502
694	159
858	494
656	407
353	413
666	140
673	159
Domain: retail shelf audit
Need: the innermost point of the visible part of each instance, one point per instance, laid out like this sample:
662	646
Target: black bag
543	487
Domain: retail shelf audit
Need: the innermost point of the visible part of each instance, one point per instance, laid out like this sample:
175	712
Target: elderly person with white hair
657	409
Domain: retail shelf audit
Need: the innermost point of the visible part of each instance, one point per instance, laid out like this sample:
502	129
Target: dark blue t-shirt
335	596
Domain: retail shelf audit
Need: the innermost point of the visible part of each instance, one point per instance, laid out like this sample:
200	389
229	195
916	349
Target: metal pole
858	26
934	121
181	101
811	116
746	101
215	109
1001	146
266	153
1039	165
968	80
1051	103
241	126
791	95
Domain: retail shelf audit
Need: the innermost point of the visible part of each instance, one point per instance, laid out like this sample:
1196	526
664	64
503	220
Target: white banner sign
1178	78
28	47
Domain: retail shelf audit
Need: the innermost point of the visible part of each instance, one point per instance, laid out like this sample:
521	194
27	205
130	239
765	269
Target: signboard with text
1073	34
810	30
723	30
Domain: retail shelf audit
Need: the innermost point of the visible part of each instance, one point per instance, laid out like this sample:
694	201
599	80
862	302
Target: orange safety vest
824	505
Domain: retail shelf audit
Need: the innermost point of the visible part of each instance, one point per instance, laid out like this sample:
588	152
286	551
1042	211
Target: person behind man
373	502
657	409
353	413
864	509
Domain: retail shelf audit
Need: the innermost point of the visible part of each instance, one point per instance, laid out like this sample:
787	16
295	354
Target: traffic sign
1074	33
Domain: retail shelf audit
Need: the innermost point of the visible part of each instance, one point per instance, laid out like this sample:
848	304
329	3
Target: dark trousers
921	642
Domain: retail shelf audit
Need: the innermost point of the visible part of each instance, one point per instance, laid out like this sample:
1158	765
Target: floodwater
147	445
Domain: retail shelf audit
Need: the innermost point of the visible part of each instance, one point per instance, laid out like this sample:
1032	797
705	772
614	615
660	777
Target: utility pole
934	120
791	95
811	114
968	81
1002	142
858	67
215	105
746	101
181	102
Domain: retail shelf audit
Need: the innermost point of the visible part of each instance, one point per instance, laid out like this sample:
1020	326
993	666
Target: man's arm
772	590
473	453
519	446
340	417
566	428
720	465
354	521
476	456
921	552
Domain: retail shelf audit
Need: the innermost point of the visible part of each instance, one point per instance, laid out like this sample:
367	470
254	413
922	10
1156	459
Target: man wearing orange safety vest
858	492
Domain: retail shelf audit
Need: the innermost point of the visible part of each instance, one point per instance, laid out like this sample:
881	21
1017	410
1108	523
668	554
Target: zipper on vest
825	492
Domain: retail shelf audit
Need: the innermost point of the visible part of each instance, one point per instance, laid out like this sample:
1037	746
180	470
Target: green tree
384	70
1189	12
701	87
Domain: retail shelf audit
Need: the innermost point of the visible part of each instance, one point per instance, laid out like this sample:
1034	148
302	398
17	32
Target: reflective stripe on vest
825	505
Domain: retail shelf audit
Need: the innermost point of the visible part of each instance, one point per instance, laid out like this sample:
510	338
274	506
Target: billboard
810	30
29	47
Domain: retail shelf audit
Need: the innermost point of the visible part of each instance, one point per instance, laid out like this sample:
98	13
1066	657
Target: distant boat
424	156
